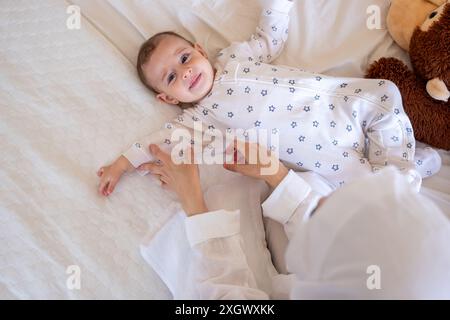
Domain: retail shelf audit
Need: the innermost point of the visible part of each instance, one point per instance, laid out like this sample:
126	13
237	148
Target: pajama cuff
210	225
283	6
287	196
137	156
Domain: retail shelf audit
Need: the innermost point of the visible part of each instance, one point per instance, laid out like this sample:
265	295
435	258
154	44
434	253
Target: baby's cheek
180	93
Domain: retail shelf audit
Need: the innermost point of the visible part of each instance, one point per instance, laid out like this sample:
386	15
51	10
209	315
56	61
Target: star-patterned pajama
340	128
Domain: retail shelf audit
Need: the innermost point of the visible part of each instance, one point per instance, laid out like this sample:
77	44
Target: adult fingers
246	149
159	154
230	167
253	152
238	168
165	183
164	179
232	149
152	167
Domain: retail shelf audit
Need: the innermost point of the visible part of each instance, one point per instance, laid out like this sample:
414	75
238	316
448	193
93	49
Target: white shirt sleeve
220	268
268	41
293	201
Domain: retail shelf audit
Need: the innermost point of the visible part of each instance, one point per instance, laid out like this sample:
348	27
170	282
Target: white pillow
330	37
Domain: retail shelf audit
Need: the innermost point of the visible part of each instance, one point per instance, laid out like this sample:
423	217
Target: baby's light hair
146	51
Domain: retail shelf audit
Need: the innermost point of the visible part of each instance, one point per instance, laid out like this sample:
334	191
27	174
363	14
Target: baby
340	128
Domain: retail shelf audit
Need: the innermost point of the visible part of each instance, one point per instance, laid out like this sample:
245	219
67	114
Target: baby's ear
200	49
167	99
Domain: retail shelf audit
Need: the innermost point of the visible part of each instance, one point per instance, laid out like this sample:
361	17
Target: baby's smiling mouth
195	81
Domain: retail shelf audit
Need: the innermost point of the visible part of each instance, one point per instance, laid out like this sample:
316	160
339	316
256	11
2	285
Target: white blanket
70	101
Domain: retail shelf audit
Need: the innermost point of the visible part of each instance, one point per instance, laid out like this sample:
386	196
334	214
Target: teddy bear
423	29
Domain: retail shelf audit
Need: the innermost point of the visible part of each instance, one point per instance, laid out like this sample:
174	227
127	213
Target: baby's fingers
111	186
100	171
102	187
105	189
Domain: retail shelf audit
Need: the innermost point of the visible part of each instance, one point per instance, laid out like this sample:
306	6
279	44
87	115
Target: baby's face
181	73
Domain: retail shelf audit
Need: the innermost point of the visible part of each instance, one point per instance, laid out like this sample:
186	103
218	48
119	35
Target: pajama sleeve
292	202
267	43
190	128
220	269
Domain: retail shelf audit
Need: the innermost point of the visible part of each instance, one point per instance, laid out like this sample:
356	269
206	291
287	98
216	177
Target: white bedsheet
70	101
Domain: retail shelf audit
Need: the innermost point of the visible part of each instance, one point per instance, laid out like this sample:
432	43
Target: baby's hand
110	175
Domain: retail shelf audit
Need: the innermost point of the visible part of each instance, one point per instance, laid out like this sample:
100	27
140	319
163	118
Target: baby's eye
170	78
184	57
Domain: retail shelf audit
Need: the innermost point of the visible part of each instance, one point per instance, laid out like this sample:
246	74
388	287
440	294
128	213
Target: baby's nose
187	73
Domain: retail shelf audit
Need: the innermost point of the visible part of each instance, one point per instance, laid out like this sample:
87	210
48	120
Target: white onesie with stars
340	128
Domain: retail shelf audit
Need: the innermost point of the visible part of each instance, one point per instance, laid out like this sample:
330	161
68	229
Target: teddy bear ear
433	16
437	3
405	15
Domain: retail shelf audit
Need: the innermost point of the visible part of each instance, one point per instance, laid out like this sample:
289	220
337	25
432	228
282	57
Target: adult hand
257	162
183	179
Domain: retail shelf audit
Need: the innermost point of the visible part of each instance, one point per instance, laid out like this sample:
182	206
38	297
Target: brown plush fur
430	118
430	50
430	56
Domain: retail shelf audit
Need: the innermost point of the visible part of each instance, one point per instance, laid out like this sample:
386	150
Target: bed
70	102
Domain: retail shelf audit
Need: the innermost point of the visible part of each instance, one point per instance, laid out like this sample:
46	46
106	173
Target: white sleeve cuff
287	196
283	6
214	224
137	156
